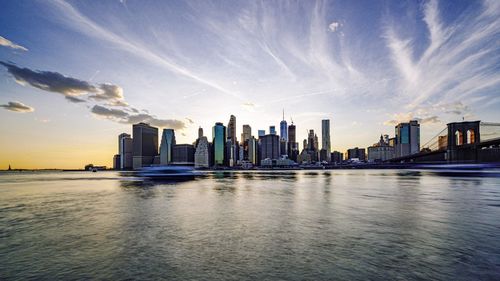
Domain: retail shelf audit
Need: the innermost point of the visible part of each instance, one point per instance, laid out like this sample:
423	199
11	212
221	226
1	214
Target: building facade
125	150
219	143
407	138
203	154
356	153
269	147
145	145
231	129
183	154
325	138
381	151
166	146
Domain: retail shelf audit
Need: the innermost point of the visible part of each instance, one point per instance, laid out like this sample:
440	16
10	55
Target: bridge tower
463	140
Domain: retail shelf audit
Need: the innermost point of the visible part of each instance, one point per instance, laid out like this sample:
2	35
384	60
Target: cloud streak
17	107
7	43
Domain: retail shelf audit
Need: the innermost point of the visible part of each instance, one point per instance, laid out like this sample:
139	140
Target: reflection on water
256	225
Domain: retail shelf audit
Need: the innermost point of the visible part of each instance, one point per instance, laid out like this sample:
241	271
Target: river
281	225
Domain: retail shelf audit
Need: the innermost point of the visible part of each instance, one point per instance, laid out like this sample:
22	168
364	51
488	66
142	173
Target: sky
75	74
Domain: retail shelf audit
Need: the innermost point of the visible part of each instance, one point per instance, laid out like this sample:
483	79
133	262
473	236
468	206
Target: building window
458	138
471	136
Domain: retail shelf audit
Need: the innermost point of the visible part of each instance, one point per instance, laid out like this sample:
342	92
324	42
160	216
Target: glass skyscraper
219	143
166	146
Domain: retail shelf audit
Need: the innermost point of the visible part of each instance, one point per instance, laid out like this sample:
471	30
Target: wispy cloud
7	43
460	61
84	24
17	107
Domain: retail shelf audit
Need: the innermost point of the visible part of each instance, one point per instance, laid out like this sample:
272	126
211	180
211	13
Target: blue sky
85	70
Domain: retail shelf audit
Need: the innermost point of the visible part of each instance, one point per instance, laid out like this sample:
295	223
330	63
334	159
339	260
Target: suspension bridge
460	142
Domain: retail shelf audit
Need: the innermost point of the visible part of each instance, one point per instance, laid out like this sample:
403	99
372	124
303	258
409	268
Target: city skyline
77	74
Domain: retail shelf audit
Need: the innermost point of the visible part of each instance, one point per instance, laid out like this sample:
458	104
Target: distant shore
366	166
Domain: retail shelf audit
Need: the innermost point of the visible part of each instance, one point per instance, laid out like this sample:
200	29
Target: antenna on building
283	114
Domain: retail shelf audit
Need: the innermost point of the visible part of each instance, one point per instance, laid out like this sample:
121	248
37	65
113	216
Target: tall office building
247	133
261	133
293	145
407	138
219	143
202	155
166	146
272	130
145	145
325	138
252	151
269	147
125	149
183	154
231	129
283	129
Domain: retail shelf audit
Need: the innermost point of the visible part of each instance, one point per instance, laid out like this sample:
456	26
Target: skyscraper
231	129
202	154
145	145
293	146
261	133
407	138
219	143
125	149
270	147
252	150
272	130
283	129
200	132
247	133
166	146
325	137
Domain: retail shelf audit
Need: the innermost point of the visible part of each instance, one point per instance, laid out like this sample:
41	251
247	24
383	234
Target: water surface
299	225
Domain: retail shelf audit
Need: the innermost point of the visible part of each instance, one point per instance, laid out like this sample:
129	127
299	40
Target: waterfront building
252	150
324	155
183	154
125	150
116	162
219	143
166	146
326	139
202	155
381	151
247	133
261	133
272	130
231	129
356	153
337	157
407	138
270	147
145	145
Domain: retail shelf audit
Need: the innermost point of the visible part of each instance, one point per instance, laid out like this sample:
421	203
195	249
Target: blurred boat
167	172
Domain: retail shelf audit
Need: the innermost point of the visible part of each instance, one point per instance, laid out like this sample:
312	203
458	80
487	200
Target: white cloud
7	43
334	26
